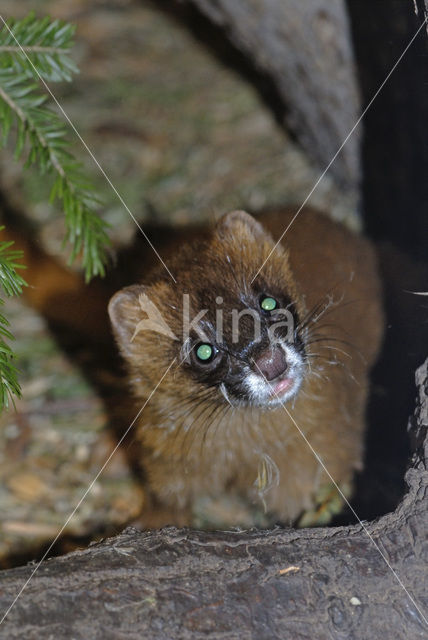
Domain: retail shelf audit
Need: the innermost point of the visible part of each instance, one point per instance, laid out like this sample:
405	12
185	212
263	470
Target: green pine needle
11	283
32	50
46	44
41	132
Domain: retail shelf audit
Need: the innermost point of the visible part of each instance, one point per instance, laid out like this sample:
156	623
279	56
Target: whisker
205	420
321	338
316	313
233	272
195	428
226	410
223	410
188	406
327	296
345	353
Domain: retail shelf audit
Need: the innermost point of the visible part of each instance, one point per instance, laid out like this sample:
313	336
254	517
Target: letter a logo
154	322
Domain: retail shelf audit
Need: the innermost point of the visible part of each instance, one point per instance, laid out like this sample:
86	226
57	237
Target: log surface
327	583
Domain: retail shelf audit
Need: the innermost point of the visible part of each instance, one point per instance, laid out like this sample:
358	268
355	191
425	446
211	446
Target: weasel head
231	331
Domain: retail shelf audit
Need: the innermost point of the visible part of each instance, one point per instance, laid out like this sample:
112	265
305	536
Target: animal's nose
272	363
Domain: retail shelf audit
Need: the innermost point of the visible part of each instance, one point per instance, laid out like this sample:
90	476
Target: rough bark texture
322	583
419	7
304	48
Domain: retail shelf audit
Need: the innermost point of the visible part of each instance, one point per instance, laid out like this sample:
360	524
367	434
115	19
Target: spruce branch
11	283
41	44
41	130
34	50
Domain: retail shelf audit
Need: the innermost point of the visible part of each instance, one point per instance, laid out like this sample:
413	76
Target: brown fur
194	444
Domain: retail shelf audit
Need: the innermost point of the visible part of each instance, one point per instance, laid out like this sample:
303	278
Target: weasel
253	366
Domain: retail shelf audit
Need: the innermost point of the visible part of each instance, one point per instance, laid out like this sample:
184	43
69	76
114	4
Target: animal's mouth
282	390
281	386
262	393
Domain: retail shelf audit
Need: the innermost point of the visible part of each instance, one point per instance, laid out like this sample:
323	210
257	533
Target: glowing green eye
268	304
204	352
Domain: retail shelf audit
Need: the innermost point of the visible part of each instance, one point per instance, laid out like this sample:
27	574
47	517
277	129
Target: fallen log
354	582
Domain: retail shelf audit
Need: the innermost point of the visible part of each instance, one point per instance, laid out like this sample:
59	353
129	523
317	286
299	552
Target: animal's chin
264	394
282	390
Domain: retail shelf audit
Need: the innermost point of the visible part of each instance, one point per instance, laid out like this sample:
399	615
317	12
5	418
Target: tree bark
309	50
327	583
420	8
304	48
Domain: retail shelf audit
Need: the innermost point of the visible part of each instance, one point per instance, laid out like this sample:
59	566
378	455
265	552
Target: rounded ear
131	313
240	223
124	310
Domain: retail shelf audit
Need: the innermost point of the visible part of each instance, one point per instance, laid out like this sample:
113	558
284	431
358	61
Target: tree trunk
329	583
304	48
421	9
